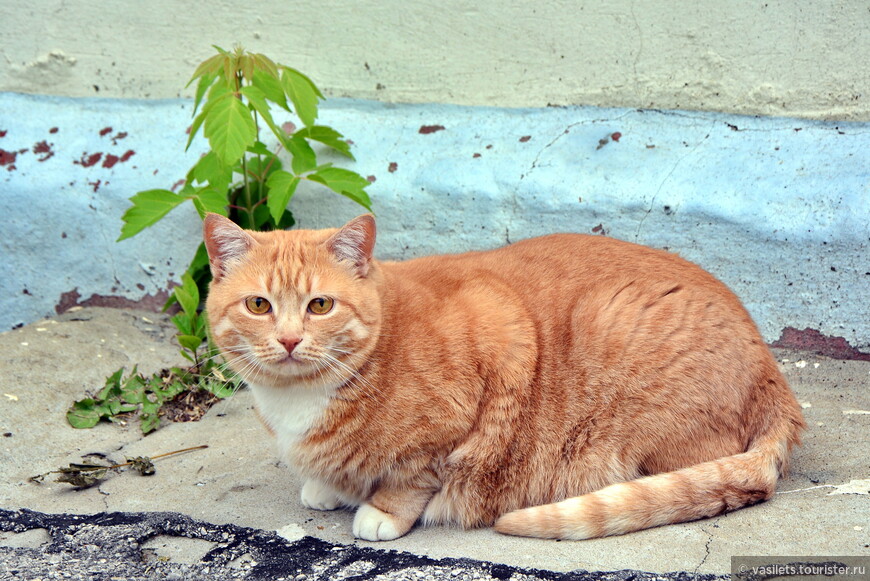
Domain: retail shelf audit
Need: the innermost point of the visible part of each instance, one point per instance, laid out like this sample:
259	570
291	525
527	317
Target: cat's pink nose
290	343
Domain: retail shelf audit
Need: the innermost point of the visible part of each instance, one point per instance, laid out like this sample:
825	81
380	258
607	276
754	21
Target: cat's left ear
225	242
355	243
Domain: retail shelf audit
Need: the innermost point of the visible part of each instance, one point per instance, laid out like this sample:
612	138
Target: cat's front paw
372	524
319	496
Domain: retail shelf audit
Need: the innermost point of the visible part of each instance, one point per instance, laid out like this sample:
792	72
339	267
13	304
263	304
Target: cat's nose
290	343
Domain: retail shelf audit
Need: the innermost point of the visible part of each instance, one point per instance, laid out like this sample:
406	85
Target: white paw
371	524
319	496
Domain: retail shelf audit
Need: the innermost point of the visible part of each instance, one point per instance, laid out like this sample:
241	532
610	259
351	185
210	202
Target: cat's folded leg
390	513
321	496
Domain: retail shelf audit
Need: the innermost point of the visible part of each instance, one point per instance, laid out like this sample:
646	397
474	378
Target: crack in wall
664	181
566	131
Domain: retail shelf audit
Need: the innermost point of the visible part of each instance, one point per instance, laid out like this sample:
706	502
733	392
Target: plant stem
245	161
248	207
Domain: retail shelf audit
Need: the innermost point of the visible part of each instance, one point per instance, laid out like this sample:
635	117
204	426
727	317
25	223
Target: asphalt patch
110	546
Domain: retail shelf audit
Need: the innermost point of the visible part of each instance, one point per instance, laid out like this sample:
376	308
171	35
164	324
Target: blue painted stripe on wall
778	208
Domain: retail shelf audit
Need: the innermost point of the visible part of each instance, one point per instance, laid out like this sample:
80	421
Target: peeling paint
427	129
110	160
7	158
815	342
43	148
71	299
89	160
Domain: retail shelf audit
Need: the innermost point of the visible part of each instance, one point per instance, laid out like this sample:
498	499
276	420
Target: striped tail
699	491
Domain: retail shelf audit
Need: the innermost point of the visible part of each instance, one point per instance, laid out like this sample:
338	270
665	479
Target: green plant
122	396
239	177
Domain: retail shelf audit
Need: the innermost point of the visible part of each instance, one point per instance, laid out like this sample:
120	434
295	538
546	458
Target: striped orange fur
566	386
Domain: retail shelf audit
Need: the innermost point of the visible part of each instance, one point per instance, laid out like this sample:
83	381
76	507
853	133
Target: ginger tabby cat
567	386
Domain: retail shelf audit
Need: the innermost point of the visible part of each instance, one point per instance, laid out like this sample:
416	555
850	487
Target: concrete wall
778	208
778	57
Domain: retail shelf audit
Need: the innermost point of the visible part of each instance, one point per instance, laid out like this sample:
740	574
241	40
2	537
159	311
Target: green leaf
133	390
187	295
302	92
113	381
257	99
219	389
246	66
148	208
194	128
208	67
182	322
204	83
345	182
229	127
189	342
172	389
209	199
271	87
327	136
304	158
83	414
149	420
281	186
259	148
265	64
197	269
210	170
262	218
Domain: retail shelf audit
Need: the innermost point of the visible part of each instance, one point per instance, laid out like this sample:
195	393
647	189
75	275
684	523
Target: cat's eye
320	305
258	305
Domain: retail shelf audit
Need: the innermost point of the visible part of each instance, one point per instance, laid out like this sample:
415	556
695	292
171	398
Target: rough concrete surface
233	507
742	56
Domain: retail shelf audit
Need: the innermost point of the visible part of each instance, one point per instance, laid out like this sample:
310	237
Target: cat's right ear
225	242
355	242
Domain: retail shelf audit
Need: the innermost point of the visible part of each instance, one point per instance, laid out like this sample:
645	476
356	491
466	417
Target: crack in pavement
706	546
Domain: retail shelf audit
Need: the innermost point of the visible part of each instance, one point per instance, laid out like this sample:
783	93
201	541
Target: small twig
85	475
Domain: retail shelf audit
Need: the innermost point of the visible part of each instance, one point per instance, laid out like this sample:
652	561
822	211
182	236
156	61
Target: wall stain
89	160
43	148
427	129
148	302
815	342
7	158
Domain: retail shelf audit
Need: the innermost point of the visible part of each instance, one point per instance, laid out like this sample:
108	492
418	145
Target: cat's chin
294	371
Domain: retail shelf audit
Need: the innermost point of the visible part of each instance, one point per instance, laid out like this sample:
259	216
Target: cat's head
293	307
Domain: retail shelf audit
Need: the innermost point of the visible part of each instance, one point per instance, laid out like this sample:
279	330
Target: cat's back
558	263
599	294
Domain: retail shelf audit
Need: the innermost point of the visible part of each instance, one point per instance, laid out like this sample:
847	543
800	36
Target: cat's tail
699	491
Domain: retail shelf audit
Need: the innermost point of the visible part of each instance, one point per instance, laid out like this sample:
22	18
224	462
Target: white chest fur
290	411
